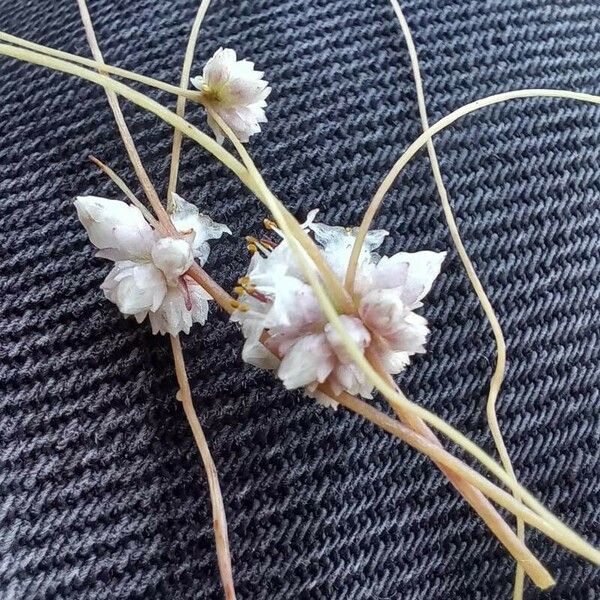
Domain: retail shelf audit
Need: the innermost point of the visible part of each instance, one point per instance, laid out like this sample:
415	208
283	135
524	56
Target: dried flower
303	347
148	277
235	91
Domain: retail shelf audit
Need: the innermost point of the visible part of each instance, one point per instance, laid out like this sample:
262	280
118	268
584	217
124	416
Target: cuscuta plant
548	523
303	247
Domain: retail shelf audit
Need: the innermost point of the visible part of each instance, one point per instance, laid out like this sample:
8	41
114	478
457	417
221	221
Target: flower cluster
303	348
235	92
149	275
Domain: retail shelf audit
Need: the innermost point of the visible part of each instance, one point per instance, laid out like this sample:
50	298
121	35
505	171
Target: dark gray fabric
102	494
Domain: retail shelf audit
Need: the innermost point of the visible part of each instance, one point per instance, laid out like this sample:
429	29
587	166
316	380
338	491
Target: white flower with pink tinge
148	277
235	91
303	348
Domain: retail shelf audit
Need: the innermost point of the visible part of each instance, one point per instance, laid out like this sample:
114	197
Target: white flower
148	277
235	91
303	348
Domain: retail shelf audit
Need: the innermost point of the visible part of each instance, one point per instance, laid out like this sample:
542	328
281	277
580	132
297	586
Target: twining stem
216	498
181	100
113	101
101	66
498	375
567	537
515	546
491	517
444	122
441	456
503	532
394	396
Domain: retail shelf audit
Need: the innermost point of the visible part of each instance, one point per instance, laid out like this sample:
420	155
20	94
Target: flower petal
355	329
187	218
414	272
135	288
382	310
116	228
175	314
294	306
173	257
349	378
217	70
254	351
310	360
337	244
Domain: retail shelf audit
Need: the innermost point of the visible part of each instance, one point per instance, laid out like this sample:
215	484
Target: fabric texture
102	492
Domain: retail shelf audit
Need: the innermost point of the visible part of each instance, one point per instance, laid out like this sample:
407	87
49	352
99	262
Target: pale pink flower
148	277
235	91
303	348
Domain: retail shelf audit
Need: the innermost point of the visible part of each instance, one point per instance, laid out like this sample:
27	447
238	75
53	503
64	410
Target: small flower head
149	273
303	348
235	91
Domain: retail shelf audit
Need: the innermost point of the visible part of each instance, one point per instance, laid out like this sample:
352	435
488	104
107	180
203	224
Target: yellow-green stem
181	100
102	66
427	135
498	375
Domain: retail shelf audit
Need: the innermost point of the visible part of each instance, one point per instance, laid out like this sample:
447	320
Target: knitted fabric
102	492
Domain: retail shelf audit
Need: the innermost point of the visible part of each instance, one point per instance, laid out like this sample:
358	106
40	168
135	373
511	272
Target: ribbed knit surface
102	492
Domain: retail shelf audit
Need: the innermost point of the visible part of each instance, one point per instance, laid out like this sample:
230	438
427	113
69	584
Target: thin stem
443	457
501	530
482	506
498	375
569	538
101	66
181	100
113	101
444	122
216	498
125	189
220	296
